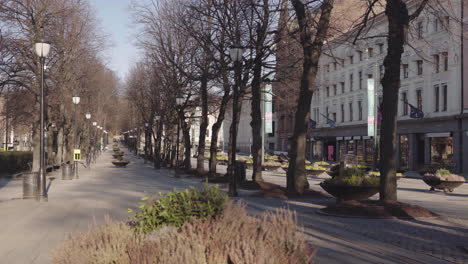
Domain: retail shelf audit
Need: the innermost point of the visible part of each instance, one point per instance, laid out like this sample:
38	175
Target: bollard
30	185
240	171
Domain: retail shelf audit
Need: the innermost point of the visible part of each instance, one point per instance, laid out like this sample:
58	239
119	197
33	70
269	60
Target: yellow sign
77	155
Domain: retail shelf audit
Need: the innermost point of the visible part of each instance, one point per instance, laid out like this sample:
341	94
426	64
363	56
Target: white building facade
432	80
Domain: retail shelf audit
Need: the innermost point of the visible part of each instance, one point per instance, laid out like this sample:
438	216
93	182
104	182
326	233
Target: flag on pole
414	111
330	122
312	124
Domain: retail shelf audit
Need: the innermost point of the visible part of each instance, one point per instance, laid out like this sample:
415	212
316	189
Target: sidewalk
31	229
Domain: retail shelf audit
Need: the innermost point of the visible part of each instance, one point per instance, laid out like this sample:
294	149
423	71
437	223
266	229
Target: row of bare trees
186	53
74	67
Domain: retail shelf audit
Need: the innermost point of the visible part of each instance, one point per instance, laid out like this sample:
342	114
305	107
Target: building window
334	117
342	87
370	52
444	97
419	99
351	81
360	80
351	59
404	97
334	89
436	97
360	55
405	71
381	48
360	110
342	112
445	58
436	63
334	66
436	24
419	64
328	91
419	30
381	71
351	111
326	112
447	22
442	151
327	67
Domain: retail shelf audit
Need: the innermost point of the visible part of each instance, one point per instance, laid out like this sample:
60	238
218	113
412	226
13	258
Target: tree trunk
312	48
232	128
203	124
187	144
398	19
215	131
256	111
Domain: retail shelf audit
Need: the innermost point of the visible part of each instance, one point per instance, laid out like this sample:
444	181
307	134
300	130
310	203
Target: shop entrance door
421	151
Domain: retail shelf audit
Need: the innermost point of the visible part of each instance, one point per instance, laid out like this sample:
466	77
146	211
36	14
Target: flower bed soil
271	190
376	209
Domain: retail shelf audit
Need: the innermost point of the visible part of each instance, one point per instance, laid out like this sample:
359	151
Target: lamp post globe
76	100
94	123
179	101
235	52
88	116
42	48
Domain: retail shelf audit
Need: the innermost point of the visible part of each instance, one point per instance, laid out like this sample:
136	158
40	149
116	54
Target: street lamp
42	49
88	157
76	101
146	142
179	102
236	51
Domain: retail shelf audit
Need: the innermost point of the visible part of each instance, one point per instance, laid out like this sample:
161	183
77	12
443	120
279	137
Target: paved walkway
31	229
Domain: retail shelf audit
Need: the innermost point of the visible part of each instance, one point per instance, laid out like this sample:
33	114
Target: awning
443	134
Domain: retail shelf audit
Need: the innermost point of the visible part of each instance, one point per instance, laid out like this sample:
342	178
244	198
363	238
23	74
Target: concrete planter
120	163
345	192
436	183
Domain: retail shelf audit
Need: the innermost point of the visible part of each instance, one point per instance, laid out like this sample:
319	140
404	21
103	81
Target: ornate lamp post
42	49
88	117
76	101
235	53
179	102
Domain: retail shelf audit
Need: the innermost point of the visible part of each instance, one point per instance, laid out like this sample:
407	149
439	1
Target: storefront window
442	151
350	147
341	149
404	151
360	151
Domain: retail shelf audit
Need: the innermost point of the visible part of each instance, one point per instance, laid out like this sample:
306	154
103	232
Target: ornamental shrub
233	237
177	207
15	161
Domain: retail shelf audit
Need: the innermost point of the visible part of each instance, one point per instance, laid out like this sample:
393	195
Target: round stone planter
117	155
120	163
345	193
437	183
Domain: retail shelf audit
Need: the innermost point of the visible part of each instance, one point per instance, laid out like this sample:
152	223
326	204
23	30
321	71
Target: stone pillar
427	150
412	151
397	156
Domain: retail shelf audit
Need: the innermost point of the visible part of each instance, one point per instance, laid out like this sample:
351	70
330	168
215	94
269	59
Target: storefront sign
370	108
268	108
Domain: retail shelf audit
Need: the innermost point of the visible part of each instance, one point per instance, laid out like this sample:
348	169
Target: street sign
77	155
370	108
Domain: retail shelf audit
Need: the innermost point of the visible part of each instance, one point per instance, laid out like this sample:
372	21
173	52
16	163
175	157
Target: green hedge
15	161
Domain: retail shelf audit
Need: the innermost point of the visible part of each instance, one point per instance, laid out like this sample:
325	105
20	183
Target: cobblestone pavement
444	238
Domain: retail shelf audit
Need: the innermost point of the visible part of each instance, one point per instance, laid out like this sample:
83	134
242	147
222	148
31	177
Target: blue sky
114	16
